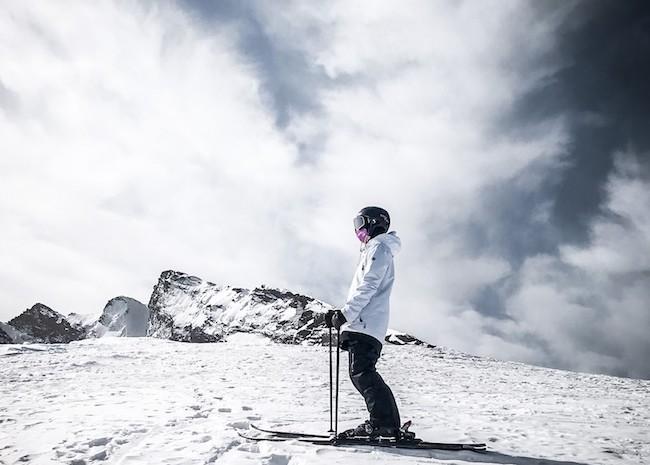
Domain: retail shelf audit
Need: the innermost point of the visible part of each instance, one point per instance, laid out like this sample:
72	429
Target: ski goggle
359	222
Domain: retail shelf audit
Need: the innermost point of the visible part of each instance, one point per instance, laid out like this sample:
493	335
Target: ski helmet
375	220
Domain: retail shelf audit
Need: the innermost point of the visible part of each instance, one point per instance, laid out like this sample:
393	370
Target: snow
81	320
153	401
244	339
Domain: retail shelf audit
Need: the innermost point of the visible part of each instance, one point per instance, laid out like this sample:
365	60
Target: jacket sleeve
376	269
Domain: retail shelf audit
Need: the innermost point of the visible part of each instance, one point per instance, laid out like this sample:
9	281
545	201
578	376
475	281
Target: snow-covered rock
83	321
10	335
42	324
122	316
189	309
401	339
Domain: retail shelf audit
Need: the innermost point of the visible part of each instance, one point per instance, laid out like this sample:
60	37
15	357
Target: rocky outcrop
12	335
82	322
122	316
4	337
42	324
187	308
402	339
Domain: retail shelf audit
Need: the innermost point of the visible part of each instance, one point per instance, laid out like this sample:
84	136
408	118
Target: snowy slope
151	401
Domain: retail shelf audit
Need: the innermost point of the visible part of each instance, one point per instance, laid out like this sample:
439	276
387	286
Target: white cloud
135	140
621	244
139	144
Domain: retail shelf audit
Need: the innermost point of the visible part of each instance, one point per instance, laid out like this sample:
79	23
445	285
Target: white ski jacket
367	307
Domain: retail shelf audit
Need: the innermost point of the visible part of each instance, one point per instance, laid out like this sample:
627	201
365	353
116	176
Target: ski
289	435
417	445
414	444
305	439
292	435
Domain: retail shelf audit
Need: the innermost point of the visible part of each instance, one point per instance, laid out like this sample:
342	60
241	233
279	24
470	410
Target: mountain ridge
186	308
42	324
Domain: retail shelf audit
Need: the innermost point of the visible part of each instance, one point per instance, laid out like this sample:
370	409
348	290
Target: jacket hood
393	242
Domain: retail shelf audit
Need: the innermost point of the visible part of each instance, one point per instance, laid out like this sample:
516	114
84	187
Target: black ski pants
378	396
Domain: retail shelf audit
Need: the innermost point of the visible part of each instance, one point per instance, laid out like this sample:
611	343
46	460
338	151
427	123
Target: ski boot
364	430
367	430
404	435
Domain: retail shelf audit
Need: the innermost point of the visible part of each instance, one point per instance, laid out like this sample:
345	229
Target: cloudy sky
236	140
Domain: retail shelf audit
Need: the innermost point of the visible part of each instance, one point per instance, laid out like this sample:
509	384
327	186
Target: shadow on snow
479	457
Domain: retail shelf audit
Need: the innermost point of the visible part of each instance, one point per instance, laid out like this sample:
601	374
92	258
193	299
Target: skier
364	321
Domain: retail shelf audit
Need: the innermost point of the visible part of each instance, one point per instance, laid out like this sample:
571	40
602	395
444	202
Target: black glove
334	319
338	319
328	318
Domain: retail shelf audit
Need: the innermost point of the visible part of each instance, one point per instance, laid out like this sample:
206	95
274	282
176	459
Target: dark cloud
290	80
603	89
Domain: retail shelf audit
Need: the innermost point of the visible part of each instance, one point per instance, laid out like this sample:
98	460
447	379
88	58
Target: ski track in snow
150	401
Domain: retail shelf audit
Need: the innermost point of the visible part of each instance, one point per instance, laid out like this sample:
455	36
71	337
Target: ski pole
338	357
331	406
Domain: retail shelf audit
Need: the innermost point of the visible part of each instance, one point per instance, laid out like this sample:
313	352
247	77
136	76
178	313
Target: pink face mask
362	235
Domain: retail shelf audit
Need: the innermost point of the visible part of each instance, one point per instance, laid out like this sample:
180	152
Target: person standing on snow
364	321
